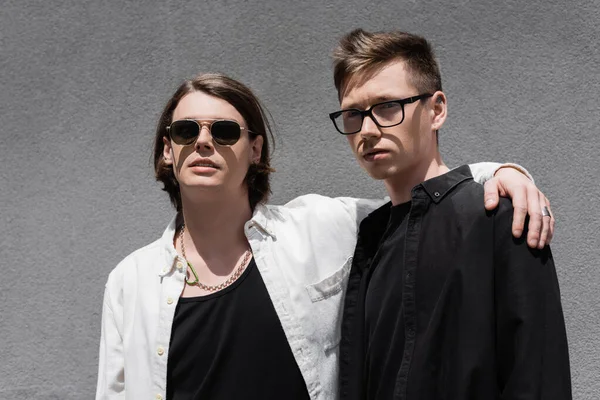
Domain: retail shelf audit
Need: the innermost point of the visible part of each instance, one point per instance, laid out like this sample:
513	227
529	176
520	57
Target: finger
546	223
520	211
552	227
490	196
552	222
535	216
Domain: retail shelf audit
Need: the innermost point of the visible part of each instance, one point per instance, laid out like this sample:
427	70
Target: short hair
247	104
361	54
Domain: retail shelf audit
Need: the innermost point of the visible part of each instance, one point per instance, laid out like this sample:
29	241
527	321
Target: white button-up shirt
303	251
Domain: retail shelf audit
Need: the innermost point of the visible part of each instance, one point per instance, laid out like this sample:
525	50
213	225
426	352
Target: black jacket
482	314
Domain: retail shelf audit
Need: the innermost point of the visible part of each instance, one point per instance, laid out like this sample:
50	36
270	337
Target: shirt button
159	397
170	301
165	270
437	194
181	266
160	351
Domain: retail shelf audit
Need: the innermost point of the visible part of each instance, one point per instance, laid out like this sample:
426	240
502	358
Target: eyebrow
210	119
205	119
374	100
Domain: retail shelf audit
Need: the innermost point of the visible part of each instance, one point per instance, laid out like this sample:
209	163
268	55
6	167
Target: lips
374	154
204	163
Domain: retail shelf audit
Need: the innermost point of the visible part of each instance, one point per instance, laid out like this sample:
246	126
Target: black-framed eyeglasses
386	114
224	132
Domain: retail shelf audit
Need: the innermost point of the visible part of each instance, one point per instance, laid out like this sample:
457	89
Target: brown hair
360	54
247	104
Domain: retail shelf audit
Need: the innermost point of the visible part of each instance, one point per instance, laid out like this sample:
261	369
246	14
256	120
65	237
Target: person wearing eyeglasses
442	302
237	299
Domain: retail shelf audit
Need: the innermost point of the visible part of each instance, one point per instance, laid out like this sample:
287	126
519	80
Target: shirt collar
168	235
260	220
437	188
166	241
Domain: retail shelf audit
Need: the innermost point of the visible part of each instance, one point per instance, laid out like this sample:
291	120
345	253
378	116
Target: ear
439	110
167	151
256	149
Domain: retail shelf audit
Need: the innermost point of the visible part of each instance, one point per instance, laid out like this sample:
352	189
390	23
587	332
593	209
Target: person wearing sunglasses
442	302
237	299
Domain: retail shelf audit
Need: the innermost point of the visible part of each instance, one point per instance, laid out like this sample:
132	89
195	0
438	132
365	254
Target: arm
531	345
512	180
111	368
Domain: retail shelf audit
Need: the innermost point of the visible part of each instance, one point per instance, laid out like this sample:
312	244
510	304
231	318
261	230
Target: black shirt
478	312
384	334
230	345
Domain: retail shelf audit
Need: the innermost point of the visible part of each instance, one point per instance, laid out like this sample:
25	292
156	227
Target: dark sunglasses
224	132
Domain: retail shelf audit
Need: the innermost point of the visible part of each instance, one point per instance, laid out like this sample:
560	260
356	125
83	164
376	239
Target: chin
203	182
377	175
379	172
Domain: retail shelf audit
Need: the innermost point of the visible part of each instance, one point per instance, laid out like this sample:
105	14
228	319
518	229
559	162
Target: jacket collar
438	187
166	242
259	220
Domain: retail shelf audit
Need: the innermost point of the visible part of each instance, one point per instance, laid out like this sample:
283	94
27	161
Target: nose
204	138
369	128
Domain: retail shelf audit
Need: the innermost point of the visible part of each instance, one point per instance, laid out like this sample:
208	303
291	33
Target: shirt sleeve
484	171
360	208
531	345
111	368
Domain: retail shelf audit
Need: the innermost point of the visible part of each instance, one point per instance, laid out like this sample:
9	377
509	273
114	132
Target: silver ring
545	212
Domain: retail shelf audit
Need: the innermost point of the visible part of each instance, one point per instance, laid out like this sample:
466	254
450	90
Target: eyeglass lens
386	114
185	132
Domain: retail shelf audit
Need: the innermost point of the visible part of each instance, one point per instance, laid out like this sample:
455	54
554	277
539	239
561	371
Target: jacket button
437	194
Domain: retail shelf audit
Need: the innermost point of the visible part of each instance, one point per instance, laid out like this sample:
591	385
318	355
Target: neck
400	185
216	225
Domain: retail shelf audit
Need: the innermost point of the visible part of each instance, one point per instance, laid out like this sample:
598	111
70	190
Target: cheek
175	154
180	154
237	159
353	142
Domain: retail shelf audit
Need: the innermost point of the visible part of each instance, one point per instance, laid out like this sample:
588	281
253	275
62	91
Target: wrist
516	167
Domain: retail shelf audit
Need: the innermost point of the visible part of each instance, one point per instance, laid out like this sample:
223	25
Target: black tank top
230	345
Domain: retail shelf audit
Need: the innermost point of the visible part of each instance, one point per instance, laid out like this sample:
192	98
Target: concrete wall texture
83	82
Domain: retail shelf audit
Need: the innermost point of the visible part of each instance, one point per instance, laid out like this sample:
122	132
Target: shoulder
315	215
469	200
315	200
327	208
377	219
150	257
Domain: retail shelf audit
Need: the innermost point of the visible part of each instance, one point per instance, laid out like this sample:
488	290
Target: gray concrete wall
82	84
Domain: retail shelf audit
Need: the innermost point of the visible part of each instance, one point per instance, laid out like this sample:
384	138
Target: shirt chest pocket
327	297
